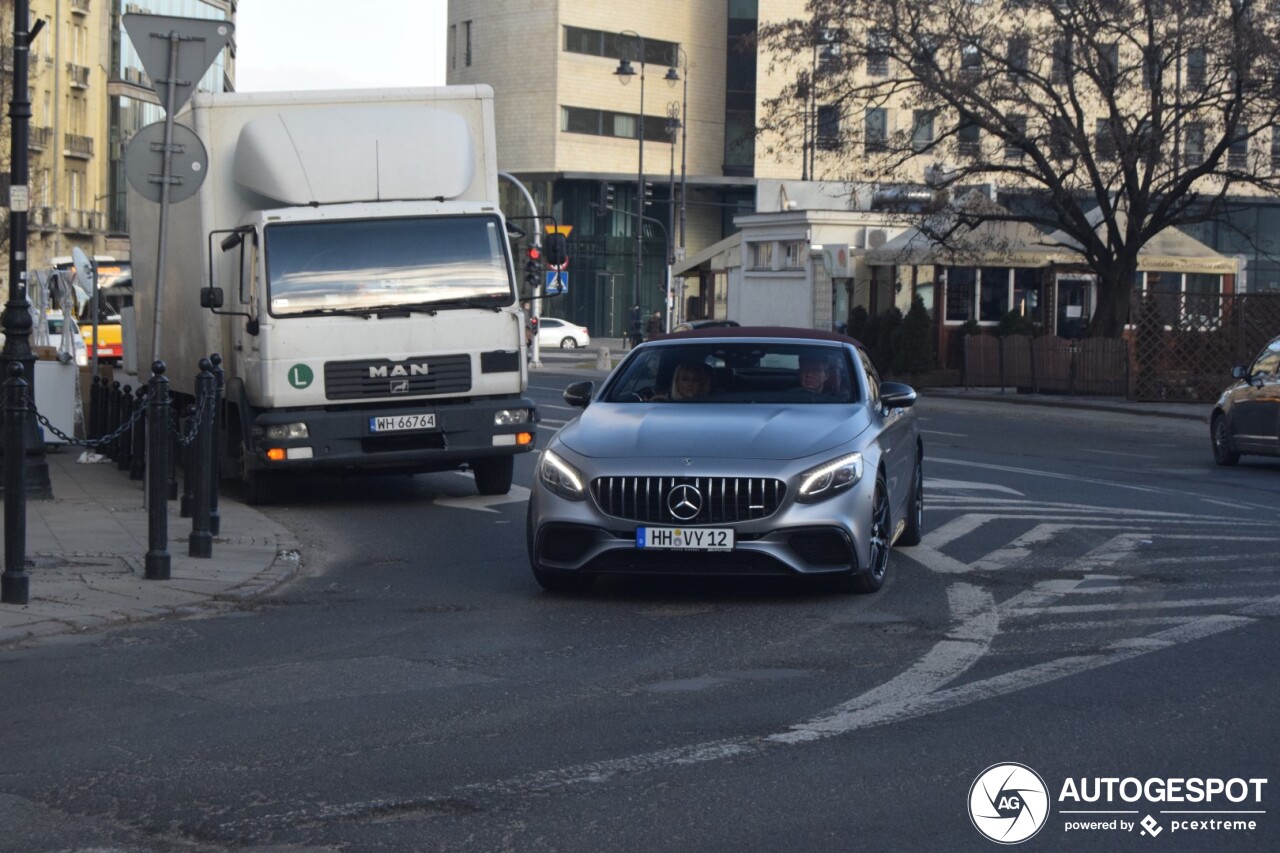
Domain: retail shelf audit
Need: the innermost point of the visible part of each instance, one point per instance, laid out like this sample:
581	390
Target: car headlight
285	432
507	417
561	477
827	479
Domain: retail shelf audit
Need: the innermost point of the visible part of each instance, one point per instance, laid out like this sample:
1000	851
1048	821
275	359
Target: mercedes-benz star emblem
684	502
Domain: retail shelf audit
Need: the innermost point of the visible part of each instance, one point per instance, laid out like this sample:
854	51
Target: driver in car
813	373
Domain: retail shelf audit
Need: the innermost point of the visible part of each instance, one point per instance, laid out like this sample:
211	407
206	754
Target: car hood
746	431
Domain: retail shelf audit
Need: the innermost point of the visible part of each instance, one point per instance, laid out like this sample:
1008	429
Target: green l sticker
300	376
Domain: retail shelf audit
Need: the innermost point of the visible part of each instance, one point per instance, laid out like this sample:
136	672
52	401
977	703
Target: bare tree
1157	112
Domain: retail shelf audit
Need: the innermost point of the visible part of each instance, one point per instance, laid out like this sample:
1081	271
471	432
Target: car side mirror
579	394
211	297
1239	372
897	395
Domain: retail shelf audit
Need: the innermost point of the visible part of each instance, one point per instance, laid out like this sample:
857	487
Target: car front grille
722	500
440	374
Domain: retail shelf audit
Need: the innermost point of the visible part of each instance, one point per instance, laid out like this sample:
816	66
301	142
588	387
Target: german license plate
685	538
402	423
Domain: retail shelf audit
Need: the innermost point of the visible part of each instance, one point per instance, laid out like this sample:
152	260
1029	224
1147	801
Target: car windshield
314	267
740	372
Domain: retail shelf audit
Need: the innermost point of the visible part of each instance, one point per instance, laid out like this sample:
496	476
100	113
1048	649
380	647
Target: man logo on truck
386	372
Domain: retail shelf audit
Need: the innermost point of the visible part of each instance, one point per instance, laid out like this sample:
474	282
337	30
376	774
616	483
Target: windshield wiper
339	312
470	302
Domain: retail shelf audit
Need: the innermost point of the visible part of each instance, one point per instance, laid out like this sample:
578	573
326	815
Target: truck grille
380	377
723	499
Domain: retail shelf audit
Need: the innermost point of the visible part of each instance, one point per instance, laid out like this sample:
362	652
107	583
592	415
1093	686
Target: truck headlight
561	477
507	417
825	480
284	432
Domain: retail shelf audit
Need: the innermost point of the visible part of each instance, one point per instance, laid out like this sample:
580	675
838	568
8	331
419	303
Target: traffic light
533	269
648	193
605	202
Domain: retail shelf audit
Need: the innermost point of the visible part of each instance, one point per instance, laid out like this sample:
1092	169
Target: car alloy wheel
914	531
1222	452
871	578
568	343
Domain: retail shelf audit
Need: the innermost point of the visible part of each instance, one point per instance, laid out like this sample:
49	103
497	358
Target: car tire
1220	436
871	578
914	531
493	475
261	488
568	343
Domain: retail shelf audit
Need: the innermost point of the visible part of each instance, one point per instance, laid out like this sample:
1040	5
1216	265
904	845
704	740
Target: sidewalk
86	547
86	550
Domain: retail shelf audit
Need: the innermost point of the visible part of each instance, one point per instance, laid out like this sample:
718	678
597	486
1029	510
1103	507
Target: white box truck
347	257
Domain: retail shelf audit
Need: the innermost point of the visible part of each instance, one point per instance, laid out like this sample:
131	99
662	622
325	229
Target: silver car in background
731	451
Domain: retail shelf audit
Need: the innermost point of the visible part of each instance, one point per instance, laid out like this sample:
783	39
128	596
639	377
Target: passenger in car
691	380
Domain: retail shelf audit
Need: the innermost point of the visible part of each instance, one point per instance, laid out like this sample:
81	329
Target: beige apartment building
89	95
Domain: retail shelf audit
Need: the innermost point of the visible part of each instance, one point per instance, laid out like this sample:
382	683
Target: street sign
144	162
557	283
198	42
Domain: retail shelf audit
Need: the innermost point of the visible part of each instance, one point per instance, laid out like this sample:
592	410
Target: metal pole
201	542
536	308
217	422
640	184
31	478
684	137
166	174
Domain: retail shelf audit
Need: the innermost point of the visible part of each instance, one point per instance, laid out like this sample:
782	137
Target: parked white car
554	332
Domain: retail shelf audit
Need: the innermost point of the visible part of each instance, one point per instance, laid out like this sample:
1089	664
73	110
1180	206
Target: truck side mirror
555	250
211	297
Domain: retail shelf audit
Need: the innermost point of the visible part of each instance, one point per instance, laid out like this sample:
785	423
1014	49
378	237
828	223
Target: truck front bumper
344	438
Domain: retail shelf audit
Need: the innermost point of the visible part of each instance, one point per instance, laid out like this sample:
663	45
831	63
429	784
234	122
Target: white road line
1032	472
1019	548
951	485
954	529
940	432
1119	453
1164	604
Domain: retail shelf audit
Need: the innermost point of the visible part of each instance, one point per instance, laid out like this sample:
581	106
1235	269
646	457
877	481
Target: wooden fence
1048	364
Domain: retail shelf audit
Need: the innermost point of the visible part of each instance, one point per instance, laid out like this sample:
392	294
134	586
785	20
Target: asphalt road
1094	598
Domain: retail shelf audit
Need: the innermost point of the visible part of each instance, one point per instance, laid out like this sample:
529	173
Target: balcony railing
42	218
79	75
39	138
82	221
75	145
80	7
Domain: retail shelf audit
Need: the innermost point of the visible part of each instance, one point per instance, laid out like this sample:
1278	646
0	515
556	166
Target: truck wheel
261	487
493	475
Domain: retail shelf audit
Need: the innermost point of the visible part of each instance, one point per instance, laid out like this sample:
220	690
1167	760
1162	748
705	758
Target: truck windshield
316	267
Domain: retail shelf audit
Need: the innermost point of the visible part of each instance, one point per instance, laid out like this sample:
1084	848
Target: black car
1246	418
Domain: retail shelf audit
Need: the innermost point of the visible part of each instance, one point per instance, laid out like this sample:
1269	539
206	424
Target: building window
616	46
1196	61
1012	148
608	123
968	137
1061	71
960	281
1019	56
829	54
793	252
1238	154
1109	62
761	256
1104	140
828	128
877	53
466	36
876	130
970	58
993	295
1151	60
922	129
453	46
1060	137
1275	149
1026	294
1193	148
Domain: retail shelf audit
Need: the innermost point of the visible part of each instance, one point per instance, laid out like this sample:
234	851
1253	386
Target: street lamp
624	73
680	61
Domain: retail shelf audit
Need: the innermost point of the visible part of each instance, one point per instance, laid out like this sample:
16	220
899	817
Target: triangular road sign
199	42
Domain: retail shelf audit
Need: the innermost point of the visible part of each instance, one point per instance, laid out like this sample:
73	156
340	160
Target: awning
730	247
991	242
1169	251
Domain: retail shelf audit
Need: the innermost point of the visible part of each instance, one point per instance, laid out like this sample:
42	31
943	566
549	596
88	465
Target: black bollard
175	453
96	403
124	446
138	457
15	585
201	542
157	482
113	419
188	468
219	422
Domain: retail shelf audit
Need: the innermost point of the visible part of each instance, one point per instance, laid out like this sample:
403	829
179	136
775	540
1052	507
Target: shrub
913	350
1013	323
882	349
858	319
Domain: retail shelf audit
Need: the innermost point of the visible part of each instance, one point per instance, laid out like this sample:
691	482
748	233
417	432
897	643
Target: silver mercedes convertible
731	451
